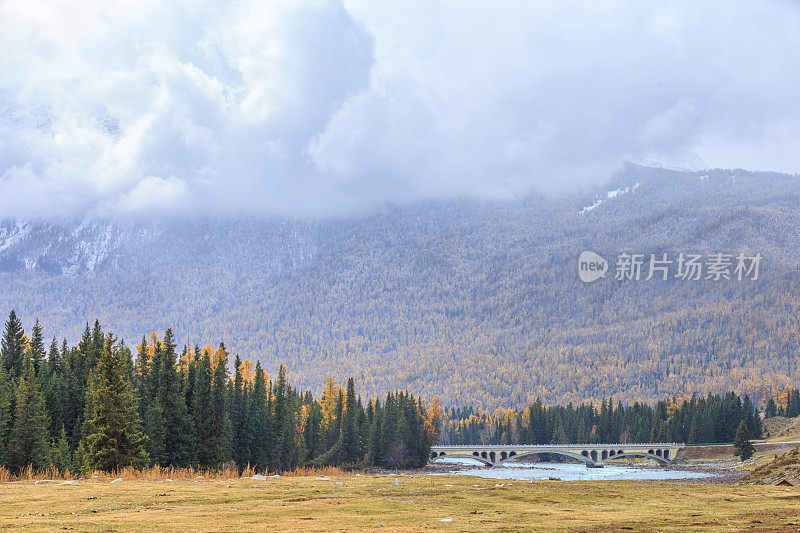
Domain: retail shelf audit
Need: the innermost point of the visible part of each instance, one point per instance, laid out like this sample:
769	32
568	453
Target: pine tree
36	351
348	439
12	347
279	419
115	441
60	453
54	361
154	426
221	423
771	410
142	375
743	448
202	411
238	416
750	418
388	430
257	422
95	349
7	394
374	451
559	434
28	444
176	423
313	429
77	385
155	433
695	435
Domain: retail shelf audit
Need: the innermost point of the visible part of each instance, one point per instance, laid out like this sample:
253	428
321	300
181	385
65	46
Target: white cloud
318	107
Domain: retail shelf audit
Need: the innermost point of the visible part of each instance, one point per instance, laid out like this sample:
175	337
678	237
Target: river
570	471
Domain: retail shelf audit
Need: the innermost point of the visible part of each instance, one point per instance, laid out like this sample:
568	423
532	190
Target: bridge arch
574	455
657	458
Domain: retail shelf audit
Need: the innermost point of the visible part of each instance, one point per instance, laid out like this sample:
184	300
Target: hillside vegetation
476	301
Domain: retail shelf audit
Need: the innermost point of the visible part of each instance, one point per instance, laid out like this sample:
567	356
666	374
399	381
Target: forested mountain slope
477	301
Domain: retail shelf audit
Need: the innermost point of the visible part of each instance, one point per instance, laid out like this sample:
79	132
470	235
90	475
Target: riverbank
389	503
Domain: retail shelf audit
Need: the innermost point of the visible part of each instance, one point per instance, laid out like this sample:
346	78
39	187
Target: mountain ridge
474	300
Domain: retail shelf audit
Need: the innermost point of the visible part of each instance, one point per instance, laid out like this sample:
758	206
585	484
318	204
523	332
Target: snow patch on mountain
90	245
608	196
11	235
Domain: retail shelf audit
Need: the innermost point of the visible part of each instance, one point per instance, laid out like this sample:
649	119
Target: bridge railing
561	446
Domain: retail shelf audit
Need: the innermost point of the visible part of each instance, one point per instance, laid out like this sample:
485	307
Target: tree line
96	406
694	420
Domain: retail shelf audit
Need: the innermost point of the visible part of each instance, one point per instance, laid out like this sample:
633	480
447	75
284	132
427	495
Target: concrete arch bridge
593	455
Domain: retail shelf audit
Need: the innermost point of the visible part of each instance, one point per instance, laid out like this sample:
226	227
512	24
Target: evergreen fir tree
349	451
221	423
95	349
238	416
142	375
176	423
771	410
12	347
77	385
7	394
374	452
155	433
28	444
36	351
279	423
115	441
257	422
60	453
743	448
388	430
202	412
54	361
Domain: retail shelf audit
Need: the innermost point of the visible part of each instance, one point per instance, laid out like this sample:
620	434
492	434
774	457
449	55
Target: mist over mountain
339	107
474	300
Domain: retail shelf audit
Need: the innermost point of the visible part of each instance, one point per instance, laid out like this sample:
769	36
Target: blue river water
573	471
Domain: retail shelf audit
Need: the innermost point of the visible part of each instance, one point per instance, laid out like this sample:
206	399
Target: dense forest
101	405
95	406
477	302
694	420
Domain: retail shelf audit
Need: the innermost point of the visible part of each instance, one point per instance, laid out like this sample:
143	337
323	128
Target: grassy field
375	503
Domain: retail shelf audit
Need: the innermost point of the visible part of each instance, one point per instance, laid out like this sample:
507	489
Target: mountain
476	301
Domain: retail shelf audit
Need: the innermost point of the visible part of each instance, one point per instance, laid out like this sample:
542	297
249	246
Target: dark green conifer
349	450
36	351
202	413
221	422
257	422
771	410
12	347
743	448
115	440
177	428
28	444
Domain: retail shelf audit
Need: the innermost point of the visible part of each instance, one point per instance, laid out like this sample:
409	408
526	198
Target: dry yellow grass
158	473
375	503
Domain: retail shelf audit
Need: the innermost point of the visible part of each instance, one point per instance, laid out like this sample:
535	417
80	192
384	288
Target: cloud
316	107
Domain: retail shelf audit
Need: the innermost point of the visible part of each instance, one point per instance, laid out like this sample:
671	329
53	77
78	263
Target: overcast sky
328	107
